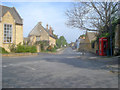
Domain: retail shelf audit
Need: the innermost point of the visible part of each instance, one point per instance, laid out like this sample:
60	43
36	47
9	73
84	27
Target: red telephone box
103	45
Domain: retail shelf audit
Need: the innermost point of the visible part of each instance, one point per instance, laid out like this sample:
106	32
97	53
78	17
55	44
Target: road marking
4	66
30	68
93	58
11	64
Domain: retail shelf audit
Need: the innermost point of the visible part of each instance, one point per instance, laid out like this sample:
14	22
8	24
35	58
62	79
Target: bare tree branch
91	16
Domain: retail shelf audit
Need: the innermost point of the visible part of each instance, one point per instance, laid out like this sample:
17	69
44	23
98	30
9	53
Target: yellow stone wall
44	35
32	40
19	34
52	41
1	40
16	38
87	45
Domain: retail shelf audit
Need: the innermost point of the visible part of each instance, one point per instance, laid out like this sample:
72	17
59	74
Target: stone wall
1	38
17	31
8	19
38	48
19	34
32	40
44	36
117	40
52	41
88	48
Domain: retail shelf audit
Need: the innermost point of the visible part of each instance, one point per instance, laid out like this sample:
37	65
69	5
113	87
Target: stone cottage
11	27
79	40
39	33
86	43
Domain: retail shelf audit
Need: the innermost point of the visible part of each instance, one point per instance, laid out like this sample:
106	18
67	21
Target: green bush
55	47
42	44
51	49
42	47
24	49
12	47
3	51
33	49
20	49
54	50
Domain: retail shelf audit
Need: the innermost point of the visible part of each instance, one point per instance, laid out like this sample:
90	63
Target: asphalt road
68	69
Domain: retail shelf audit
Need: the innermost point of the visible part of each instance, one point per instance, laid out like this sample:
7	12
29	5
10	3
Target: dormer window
7	33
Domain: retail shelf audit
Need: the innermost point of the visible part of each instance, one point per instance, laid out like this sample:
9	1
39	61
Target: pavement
67	69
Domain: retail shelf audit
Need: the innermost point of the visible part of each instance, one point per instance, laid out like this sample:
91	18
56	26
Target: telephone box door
103	45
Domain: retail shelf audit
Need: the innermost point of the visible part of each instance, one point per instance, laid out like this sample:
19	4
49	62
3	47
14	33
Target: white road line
4	66
30	68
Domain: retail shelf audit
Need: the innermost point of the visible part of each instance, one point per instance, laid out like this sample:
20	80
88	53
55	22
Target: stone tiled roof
14	13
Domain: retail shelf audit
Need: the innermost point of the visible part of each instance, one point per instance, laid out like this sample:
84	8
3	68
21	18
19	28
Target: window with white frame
7	33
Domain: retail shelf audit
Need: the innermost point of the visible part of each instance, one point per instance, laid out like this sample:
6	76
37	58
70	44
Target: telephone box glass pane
104	47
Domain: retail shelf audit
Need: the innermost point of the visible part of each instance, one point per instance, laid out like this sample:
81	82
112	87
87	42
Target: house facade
39	33
79	40
85	44
11	27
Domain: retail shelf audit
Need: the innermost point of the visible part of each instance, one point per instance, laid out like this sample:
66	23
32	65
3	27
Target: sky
51	13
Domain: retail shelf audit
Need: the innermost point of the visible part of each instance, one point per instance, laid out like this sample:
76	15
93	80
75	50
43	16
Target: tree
92	16
61	41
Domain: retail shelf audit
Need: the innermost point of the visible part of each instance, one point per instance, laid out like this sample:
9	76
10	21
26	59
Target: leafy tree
58	43
61	41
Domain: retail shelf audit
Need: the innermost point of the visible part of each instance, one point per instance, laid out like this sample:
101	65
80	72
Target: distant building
89	37
79	40
39	33
85	44
11	27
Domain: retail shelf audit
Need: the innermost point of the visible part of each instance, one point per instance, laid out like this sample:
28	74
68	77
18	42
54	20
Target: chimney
50	30
47	26
40	23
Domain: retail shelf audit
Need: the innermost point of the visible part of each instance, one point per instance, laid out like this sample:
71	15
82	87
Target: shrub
42	47
3	51
23	49
33	49
55	47
54	50
50	48
42	44
12	47
20	49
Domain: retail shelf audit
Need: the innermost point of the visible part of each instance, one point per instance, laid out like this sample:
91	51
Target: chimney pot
47	26
50	30
40	23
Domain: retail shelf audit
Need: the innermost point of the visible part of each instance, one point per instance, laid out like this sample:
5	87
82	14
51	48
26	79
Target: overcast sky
51	13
